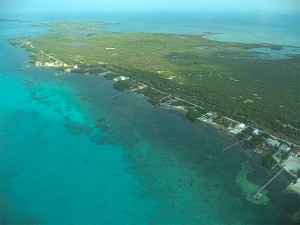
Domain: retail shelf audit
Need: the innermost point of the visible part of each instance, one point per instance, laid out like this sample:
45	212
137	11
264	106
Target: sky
23	6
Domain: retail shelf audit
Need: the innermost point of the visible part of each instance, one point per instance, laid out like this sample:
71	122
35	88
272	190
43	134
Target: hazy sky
17	6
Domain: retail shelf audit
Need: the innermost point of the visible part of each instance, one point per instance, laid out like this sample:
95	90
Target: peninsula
236	87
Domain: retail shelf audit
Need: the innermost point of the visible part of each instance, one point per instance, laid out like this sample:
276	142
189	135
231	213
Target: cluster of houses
283	147
273	143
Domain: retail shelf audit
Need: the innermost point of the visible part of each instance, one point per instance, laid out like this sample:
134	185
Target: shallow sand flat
292	163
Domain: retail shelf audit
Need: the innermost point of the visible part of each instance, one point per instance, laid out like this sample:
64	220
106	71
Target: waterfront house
255	131
238	128
209	114
284	148
295	152
241	126
273	143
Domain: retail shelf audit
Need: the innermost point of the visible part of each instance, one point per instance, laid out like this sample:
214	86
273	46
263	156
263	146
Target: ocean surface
71	155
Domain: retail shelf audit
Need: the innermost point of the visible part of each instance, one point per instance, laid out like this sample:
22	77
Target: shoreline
292	188
187	107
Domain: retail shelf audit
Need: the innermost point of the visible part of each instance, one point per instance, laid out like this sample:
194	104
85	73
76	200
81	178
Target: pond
201	47
276	52
75	43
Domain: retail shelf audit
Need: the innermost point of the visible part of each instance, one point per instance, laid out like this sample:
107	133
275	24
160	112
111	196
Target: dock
59	74
232	145
25	67
108	82
258	194
156	105
123	93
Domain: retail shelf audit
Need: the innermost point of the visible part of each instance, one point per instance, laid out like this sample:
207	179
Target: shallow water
201	47
282	53
71	155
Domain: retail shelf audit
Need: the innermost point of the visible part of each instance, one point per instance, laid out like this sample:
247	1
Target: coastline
60	65
293	188
210	200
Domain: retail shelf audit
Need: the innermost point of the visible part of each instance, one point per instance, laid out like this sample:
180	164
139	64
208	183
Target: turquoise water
71	155
258	27
268	52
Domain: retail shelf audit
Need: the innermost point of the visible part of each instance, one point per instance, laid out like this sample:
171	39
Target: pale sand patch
181	108
295	187
248	187
163	71
292	163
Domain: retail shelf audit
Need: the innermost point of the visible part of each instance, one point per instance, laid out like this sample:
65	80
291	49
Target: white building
238	128
284	148
273	143
255	131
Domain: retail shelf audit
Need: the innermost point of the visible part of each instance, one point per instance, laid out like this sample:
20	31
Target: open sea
71	155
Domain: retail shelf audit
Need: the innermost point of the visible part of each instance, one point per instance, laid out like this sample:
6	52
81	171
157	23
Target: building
209	114
241	126
255	131
273	143
295	152
284	148
238	128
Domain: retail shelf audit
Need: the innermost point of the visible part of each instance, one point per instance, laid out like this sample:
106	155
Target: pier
59	74
232	145
25	67
108	82
123	93
258	194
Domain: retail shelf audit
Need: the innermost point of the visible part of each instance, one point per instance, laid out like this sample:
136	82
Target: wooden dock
123	93
258	194
25	67
108	82
232	145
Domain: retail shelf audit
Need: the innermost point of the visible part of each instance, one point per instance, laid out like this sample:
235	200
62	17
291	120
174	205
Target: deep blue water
71	155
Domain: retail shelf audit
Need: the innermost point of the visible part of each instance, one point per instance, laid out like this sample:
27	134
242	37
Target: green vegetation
225	78
192	114
257	139
61	26
153	101
121	85
249	145
284	155
269	161
253	141
242	135
9	21
110	76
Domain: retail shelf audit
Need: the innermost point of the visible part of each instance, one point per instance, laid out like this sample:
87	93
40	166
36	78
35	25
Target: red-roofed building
295	152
